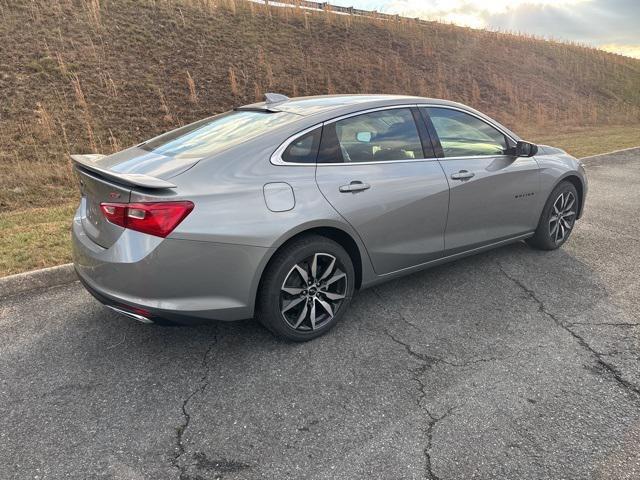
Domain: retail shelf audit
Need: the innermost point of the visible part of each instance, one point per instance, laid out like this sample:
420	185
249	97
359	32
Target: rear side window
463	135
385	135
303	149
215	134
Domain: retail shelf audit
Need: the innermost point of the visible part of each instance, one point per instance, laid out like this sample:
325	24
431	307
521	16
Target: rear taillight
158	218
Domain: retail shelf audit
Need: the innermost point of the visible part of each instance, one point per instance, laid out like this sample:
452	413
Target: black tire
272	300
547	237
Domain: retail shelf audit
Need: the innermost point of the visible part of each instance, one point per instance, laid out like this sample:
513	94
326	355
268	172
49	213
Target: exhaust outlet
135	316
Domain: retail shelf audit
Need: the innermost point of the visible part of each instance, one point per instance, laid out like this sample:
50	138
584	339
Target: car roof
324	107
319	104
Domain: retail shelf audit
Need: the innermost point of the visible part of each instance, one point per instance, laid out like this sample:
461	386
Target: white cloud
628	50
471	13
608	24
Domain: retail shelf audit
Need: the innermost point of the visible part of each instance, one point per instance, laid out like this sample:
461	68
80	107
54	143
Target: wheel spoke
313	315
569	214
329	269
314	267
570	202
292	304
560	200
292	290
335	278
333	296
302	316
326	306
302	272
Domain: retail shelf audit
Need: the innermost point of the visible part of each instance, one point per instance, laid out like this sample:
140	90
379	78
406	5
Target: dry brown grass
193	95
98	75
233	82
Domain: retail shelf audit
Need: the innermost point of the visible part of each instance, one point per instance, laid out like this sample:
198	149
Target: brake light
158	218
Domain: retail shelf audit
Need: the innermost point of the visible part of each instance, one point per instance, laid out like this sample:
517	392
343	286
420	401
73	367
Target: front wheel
558	218
306	288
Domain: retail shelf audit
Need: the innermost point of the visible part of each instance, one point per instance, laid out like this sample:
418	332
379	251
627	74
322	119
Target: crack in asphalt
613	371
429	359
607	324
203	384
428	467
426	362
433	360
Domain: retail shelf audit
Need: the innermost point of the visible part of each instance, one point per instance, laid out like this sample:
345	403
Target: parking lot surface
513	364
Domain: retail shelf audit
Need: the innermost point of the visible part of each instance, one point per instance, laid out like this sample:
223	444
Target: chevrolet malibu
283	209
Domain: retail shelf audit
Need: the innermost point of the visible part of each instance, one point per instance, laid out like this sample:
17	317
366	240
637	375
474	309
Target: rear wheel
306	288
558	218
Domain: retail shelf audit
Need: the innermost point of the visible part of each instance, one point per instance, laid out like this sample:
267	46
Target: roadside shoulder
625	154
37	279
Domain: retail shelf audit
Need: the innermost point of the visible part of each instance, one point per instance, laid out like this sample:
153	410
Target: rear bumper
182	281
142	314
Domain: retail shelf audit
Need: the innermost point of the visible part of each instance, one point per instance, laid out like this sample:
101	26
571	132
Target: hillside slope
99	75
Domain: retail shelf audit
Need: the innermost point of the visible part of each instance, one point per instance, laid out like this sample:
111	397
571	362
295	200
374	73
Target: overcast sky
612	25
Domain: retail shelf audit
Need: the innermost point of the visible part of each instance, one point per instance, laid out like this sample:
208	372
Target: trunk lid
110	179
94	191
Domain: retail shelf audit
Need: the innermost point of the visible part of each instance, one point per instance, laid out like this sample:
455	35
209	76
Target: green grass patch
35	238
582	142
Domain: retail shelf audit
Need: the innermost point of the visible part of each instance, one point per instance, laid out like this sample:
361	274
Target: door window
463	135
385	135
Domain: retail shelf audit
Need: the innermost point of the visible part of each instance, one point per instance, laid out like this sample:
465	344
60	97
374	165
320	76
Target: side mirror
526	149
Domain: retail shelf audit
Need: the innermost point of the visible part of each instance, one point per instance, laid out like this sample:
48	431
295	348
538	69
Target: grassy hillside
81	76
99	75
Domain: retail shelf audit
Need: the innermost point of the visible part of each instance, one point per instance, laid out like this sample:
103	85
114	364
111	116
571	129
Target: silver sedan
283	209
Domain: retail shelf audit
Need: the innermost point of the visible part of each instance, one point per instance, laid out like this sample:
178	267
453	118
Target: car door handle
355	186
463	175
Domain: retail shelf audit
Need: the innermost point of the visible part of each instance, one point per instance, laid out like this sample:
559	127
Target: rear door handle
463	175
355	186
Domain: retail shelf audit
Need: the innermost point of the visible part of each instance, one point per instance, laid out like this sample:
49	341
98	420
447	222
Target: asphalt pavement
513	364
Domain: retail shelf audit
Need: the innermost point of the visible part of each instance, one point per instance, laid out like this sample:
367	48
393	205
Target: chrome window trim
369	110
276	157
379	162
491	124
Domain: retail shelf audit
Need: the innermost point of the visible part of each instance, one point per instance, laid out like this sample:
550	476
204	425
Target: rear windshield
217	133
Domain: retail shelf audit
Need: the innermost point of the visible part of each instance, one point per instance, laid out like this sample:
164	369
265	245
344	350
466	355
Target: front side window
215	134
386	135
303	149
463	135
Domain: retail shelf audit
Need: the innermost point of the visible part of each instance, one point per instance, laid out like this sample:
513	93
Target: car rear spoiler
87	162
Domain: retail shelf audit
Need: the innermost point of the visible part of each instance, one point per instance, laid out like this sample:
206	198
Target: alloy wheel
312	292
563	217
